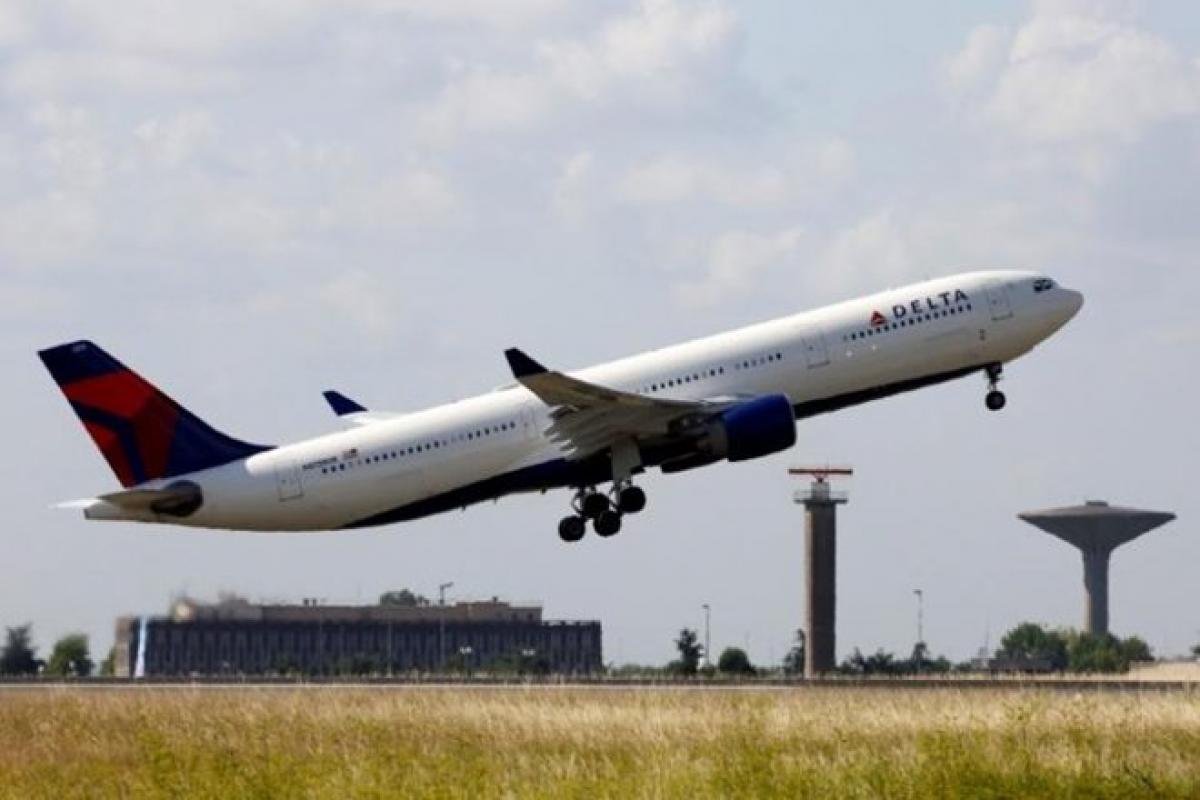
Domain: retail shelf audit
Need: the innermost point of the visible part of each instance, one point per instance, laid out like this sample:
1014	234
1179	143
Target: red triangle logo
877	319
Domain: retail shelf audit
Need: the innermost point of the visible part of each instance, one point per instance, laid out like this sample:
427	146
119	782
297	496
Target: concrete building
240	638
1096	529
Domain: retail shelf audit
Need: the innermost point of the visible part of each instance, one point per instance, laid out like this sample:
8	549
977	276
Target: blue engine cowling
752	429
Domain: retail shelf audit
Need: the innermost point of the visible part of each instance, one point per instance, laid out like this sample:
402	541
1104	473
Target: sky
250	202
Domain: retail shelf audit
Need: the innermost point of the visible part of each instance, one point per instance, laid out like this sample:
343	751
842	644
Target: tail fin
142	433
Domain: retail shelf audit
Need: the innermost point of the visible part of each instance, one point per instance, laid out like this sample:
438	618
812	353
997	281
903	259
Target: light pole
920	615
442	587
707	613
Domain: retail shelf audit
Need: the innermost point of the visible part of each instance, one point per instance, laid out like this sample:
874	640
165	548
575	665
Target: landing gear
630	500
995	399
606	512
607	524
571	529
592	504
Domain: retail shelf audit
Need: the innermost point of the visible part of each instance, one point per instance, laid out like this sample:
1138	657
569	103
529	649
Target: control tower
1096	528
820	551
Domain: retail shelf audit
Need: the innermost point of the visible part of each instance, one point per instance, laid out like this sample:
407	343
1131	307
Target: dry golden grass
481	742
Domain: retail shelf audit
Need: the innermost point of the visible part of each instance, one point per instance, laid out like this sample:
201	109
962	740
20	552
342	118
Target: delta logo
922	305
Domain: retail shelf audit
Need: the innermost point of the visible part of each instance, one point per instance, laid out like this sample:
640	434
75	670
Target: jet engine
751	429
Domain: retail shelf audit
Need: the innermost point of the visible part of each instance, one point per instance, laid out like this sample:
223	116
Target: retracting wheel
631	500
593	504
571	529
995	398
607	523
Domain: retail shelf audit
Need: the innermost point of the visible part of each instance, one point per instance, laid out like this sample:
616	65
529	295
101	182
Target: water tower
1096	528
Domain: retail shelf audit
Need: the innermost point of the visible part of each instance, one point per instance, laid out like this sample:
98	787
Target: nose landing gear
995	399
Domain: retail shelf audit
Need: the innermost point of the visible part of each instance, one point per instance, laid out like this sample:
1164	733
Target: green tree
793	662
1135	649
919	657
1089	652
1196	650
70	657
19	656
880	662
734	661
689	647
108	667
403	597
1031	642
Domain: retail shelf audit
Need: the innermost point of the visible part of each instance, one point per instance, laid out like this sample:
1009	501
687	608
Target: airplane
735	396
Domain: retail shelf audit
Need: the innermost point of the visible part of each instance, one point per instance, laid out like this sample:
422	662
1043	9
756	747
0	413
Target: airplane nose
1074	302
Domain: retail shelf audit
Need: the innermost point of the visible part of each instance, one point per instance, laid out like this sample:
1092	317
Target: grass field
587	743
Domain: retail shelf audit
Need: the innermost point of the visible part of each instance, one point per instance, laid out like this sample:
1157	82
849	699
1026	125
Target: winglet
341	404
522	366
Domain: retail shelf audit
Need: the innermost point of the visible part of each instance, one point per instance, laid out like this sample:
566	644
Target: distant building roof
186	610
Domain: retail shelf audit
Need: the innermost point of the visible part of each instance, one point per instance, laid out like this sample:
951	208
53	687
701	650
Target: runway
965	685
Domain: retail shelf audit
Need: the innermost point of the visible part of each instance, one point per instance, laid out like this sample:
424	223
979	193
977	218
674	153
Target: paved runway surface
392	684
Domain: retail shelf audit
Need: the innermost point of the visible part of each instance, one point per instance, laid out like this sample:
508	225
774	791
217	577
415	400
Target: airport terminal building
239	638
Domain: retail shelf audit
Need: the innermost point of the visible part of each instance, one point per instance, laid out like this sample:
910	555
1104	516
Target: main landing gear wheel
608	523
593	504
631	500
571	529
995	399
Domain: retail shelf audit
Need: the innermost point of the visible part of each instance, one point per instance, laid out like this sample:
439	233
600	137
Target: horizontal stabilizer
178	499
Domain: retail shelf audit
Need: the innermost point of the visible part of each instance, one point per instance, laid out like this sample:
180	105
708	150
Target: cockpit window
1042	284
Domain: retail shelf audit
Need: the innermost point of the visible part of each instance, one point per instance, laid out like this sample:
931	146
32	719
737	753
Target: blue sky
253	202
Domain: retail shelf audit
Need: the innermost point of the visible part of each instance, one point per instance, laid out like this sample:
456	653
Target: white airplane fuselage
493	444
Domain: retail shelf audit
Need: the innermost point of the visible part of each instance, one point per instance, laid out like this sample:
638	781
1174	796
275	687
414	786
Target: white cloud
736	260
981	56
663	52
50	229
660	45
247	220
147	26
573	190
1076	73
171	141
70	146
14	23
363	301
870	254
415	198
48	73
673	179
507	14
487	100
769	180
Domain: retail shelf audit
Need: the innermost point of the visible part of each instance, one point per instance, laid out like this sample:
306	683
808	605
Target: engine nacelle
752	429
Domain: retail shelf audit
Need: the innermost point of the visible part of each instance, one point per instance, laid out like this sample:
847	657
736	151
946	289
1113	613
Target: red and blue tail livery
143	434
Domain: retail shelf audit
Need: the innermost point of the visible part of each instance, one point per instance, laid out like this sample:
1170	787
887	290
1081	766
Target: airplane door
816	354
287	481
998	302
528	423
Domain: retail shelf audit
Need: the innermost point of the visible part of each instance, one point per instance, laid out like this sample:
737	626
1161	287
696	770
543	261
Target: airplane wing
588	417
353	412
